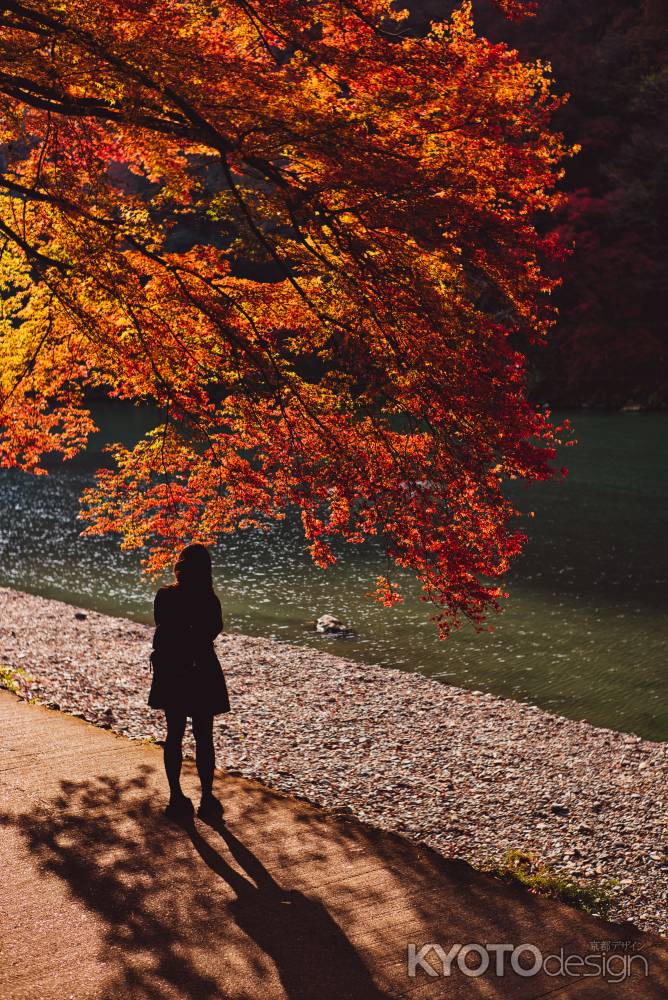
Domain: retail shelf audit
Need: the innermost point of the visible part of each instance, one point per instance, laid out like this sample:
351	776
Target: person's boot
179	807
210	808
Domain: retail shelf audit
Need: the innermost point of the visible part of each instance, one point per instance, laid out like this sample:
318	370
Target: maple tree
305	237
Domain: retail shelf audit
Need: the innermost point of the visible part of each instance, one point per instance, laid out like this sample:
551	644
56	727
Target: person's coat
187	675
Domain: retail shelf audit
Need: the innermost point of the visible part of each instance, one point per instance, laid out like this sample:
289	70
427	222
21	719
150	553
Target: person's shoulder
167	592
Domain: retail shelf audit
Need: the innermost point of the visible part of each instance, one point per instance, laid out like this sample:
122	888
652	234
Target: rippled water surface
585	632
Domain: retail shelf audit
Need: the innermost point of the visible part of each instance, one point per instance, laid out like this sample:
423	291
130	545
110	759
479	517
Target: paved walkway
101	897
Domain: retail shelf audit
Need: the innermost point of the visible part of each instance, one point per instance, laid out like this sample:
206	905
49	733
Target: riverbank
470	774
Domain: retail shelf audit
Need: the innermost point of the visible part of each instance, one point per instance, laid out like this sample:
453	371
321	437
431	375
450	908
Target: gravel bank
468	773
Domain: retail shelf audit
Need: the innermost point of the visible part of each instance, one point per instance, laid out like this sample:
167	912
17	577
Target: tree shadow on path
169	928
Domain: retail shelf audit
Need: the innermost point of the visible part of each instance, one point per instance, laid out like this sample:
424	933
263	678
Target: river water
584	633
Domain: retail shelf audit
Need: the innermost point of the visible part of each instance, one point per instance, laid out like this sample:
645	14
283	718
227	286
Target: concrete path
101	897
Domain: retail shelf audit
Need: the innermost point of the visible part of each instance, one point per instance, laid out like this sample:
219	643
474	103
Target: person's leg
205	755
173	752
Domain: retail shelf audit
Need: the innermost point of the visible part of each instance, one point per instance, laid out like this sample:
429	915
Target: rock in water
330	625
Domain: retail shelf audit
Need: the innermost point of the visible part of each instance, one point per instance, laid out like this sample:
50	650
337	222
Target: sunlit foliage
310	241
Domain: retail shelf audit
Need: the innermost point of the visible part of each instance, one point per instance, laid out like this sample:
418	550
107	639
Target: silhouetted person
187	677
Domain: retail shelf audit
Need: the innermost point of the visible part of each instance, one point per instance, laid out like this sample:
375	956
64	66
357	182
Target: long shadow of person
313	957
160	929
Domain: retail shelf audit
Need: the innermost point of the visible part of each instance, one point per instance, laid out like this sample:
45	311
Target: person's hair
193	568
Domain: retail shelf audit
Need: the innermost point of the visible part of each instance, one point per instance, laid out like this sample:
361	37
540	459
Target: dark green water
584	633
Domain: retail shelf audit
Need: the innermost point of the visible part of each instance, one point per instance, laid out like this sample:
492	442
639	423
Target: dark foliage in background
610	345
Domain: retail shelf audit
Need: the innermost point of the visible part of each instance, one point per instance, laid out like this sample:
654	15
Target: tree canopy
310	241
